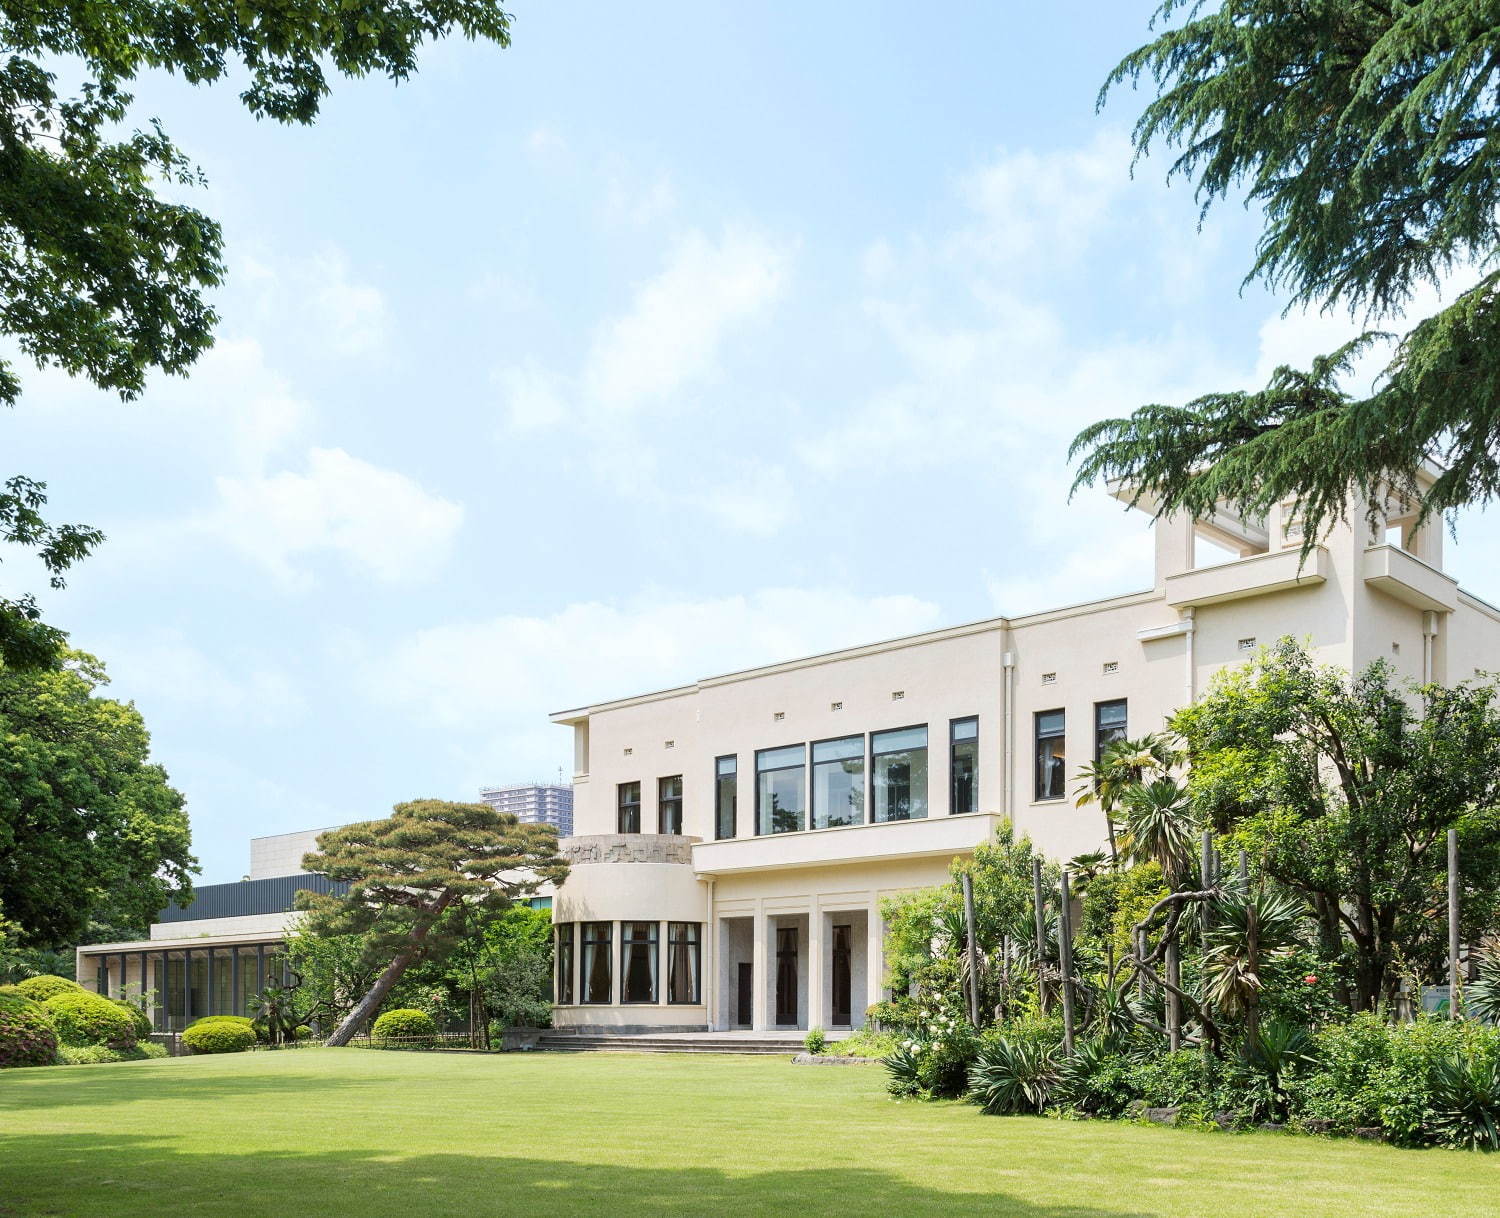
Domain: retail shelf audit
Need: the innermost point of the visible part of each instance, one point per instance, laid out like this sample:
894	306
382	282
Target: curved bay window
669	804
638	961
963	766
684	961
838	782
899	774
780	789
564	957
596	944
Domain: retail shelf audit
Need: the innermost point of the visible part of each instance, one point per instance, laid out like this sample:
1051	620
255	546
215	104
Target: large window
629	804
838	782
1109	725
780	796
684	961
564	990
899	773
1051	754
726	795
963	766
638	961
669	804
596	945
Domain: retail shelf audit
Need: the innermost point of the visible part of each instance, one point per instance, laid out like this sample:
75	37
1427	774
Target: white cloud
351	315
379	520
165	668
636	204
509	672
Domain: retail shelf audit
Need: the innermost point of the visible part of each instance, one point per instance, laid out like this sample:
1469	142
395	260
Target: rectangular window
596	951
780	789
838	782
726	796
638	961
564	988
669	804
1051	754
629	818
963	766
1109	725
684	961
898	778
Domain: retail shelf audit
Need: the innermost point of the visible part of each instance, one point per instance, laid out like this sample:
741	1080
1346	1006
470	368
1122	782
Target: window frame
734	796
652	941
1098	726
608	944
1036	742
802	765
953	743
565	947
621	805
663	800
873	755
812	777
695	942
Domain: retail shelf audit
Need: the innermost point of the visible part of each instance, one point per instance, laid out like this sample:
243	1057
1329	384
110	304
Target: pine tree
412	875
1369	134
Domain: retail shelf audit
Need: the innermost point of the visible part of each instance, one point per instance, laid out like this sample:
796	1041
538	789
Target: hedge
219	1035
87	1019
138	1017
28	1033
403	1023
39	989
96	1055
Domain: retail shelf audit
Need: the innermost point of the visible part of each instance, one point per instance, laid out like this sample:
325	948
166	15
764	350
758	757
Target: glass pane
726	799
780	801
1051	767
839	793
639	973
838	750
596	956
1050	723
965	783
900	785
966	729
670	788
902	738
1111	714
683	962
770	759
728	765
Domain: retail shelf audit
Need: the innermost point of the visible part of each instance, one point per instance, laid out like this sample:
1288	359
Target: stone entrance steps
706	1042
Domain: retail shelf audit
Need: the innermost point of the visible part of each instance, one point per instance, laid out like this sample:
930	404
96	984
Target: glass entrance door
786	975
843	940
744	1013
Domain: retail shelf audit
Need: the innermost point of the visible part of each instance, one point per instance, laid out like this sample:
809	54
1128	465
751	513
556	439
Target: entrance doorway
744	1006
843	975
786	975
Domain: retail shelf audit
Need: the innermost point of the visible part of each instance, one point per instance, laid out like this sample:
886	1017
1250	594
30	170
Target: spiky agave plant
1466	1102
1246	925
1482	996
1159	826
1012	1076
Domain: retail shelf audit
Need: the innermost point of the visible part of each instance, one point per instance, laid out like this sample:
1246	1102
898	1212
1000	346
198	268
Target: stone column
874	956
760	1010
817	971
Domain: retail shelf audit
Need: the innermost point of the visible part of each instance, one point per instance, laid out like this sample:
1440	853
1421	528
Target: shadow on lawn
36	1088
125	1175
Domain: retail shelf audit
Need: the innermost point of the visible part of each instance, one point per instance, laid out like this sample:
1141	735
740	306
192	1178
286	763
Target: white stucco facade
768	905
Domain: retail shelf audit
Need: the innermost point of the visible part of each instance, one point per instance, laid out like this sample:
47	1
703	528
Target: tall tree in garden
103	269
1343	789
89	828
1369	136
414	876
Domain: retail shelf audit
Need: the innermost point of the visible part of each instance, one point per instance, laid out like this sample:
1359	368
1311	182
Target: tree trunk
370	1003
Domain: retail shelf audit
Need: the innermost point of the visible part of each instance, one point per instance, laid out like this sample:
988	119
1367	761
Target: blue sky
668	341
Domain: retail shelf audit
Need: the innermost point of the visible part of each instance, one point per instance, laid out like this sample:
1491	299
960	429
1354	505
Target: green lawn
411	1135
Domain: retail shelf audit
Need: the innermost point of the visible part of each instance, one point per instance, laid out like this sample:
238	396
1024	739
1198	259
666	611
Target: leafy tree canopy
1369	135
99	273
414	879
89	827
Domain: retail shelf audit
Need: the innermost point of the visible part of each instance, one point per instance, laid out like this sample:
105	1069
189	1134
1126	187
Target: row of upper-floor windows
1051	740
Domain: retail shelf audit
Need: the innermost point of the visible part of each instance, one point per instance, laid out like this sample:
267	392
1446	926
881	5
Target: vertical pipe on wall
1008	770
1429	644
1191	685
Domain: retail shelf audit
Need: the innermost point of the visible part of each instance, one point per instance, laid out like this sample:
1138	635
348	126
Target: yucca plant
1246	925
1123	765
1159	826
1011	1076
904	1069
1466	1102
1482	996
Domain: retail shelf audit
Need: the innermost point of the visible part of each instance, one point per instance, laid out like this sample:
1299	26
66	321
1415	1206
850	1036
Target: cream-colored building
735	837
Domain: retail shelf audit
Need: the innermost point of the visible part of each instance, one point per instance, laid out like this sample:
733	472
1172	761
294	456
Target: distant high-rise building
534	803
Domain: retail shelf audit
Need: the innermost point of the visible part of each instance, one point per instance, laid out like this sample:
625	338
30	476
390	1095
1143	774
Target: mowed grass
407	1135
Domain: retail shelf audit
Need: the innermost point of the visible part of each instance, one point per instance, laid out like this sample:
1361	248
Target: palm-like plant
1246	925
1122	765
1482	997
1159	826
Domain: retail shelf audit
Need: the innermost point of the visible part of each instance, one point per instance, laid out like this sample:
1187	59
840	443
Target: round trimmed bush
28	1034
87	1019
221	1034
39	989
404	1024
138	1017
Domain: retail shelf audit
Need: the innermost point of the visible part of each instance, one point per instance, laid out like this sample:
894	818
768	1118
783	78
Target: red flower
1310	979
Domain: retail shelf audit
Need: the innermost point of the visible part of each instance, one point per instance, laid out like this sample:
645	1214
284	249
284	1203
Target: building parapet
627	848
937	835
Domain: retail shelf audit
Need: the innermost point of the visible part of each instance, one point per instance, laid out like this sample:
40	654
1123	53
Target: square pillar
874	956
762	998
817	969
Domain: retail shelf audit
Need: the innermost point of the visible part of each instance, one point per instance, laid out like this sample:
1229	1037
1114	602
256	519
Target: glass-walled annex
184	984
629	963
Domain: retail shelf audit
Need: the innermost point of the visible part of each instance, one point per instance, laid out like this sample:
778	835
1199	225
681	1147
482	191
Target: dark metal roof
278	894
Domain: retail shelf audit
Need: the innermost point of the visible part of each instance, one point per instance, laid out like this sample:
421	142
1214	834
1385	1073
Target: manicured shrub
39	989
867	1042
219	1034
138	1017
405	1024
28	1033
815	1041
96	1055
87	1019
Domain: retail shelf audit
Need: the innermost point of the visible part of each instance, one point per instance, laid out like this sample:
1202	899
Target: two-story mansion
735	837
